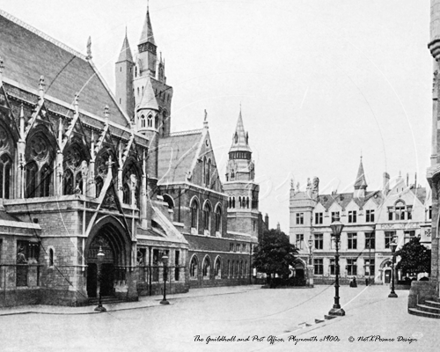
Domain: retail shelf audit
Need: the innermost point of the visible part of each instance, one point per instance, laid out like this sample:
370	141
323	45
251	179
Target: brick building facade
83	171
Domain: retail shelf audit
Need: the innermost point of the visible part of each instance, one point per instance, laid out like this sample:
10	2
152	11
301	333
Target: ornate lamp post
165	276
100	257
310	266
393	246
337	227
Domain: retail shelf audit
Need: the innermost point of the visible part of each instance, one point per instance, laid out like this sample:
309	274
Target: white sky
320	81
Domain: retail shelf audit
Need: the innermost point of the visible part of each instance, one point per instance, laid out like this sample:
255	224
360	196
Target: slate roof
28	54
239	139
125	54
147	31
343	199
177	154
420	193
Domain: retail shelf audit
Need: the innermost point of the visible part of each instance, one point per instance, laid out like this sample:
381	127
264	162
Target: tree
274	254
415	257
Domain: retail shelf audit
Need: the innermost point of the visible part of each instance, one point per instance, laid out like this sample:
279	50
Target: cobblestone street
227	313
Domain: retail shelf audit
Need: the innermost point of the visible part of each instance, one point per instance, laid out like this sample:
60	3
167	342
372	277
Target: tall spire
240	138
361	182
125	54
147	31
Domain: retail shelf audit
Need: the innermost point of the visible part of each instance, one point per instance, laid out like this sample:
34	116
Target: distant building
371	220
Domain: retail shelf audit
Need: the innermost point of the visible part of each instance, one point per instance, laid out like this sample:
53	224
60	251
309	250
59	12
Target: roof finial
41	87
89	48
205	120
106	113
75	102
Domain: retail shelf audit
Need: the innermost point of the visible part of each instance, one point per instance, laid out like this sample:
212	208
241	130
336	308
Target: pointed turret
147	49
243	192
240	138
125	54
147	31
360	185
124	78
361	182
148	100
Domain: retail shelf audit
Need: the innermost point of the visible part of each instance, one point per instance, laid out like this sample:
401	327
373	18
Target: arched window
218	268
142	121
130	184
167	199
399	210
101	168
206	267
38	170
6	152
232	174
5	175
31	172
218	219
204	171
51	261
247	202
99	185
73	159
208	174
239	202
68	182
194	214
233	202
150	121
207	217
126	194
193	267
156	122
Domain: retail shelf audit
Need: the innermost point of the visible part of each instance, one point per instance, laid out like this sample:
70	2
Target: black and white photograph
219	175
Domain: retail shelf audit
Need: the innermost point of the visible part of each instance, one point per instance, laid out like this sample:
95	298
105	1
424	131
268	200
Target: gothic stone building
83	170
372	220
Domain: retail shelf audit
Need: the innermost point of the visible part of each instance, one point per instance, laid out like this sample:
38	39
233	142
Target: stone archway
109	235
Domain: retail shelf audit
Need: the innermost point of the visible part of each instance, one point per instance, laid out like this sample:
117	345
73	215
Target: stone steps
104	300
428	309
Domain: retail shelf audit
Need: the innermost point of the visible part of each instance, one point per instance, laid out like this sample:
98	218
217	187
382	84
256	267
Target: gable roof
177	154
343	199
29	54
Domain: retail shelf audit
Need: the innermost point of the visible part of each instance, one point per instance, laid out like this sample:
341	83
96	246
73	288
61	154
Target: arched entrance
110	236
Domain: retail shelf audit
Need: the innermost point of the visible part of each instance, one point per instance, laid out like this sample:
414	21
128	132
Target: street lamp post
100	257
310	266
165	276
393	246
337	227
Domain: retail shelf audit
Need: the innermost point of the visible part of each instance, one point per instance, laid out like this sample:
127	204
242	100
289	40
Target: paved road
245	313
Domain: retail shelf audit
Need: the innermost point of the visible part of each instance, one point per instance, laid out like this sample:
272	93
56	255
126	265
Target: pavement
240	318
143	302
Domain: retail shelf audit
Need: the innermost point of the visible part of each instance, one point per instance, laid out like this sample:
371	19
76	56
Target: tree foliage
415	257
274	253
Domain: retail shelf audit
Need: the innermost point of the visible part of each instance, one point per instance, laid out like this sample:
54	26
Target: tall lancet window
5	163
38	169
